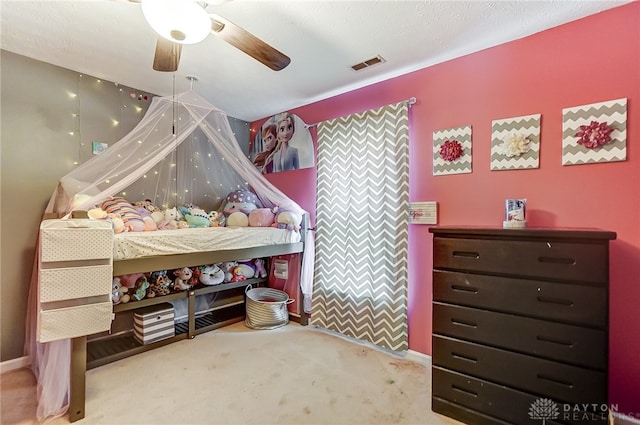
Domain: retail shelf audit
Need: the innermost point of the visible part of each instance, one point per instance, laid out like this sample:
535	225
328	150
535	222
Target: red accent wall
586	61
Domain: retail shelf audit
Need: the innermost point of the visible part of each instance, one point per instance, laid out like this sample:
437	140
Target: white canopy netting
183	151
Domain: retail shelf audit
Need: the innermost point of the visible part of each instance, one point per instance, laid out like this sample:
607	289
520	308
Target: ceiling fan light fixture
180	21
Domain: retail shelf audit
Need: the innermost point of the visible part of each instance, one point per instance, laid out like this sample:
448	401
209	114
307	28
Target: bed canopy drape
183	151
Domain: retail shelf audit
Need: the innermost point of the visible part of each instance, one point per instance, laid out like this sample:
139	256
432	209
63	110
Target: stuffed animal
238	205
119	292
159	284
261	217
237	219
286	219
237	274
99	214
122	208
140	290
182	224
245	268
143	212
195	276
160	277
117	223
157	216
147	205
260	270
181	282
211	275
149	224
197	217
170	219
214	216
227	268
129	280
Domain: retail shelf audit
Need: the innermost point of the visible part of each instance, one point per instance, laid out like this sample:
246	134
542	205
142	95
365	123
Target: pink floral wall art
595	133
452	151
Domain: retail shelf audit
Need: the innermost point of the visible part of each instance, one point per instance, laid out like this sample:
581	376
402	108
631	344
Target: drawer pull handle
466	254
557	260
464	323
552	300
464	357
464	288
464	391
555	380
555	341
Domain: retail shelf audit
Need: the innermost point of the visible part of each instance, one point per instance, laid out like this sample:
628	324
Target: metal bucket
266	308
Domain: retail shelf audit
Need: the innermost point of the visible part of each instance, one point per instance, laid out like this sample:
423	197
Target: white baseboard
14	364
621	419
419	357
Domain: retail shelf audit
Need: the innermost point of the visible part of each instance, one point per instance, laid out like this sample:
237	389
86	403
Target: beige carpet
235	375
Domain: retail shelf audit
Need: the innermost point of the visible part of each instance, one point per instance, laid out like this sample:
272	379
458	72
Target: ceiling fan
179	22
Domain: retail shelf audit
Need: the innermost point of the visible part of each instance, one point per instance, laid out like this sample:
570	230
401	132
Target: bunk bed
88	353
63	319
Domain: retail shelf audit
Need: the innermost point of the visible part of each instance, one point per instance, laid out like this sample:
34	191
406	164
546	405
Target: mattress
183	241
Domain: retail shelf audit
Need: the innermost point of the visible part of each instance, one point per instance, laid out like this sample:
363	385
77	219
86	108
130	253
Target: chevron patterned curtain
360	286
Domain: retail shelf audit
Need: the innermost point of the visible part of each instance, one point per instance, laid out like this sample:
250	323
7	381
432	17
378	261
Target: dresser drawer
581	262
566	343
579	304
555	380
505	404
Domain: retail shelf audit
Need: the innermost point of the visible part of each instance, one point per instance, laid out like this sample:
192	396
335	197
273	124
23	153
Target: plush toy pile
241	208
139	286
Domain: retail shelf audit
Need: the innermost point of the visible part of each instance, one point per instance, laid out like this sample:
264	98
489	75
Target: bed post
191	306
306	225
77	378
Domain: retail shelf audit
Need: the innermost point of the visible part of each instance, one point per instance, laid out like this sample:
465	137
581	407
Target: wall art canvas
423	212
283	143
515	143
452	151
595	133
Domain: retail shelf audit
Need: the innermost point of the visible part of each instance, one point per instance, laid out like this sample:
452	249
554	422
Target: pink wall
591	60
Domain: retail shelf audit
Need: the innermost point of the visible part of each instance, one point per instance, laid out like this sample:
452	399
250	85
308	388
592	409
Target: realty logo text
544	409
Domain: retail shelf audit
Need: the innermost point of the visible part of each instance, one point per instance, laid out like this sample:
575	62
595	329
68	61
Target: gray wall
45	131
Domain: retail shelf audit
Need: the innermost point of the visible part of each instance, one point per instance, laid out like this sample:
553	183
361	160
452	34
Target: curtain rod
411	101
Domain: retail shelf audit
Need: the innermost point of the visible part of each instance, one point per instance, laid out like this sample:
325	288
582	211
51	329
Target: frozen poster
283	143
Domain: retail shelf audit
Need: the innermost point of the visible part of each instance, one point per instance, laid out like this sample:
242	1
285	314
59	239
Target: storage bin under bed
154	323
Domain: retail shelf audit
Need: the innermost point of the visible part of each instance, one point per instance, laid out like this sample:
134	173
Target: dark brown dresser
520	325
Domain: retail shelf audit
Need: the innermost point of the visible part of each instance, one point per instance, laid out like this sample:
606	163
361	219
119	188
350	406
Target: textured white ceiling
110	39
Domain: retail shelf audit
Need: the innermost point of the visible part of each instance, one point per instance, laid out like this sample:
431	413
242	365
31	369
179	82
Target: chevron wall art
614	113
360	284
515	143
460	165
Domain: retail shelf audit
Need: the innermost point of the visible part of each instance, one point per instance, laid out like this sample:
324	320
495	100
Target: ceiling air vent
369	62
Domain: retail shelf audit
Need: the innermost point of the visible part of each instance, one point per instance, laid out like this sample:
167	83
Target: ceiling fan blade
167	55
248	43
